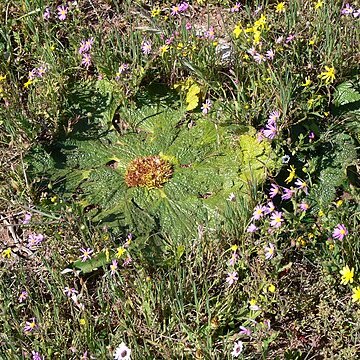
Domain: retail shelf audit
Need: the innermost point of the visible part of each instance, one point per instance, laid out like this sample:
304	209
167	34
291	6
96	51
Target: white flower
122	352
238	348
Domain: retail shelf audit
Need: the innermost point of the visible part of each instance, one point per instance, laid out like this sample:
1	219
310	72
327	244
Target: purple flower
274	190
340	232
169	40
260	135
270	54
269	251
258	212
175	10
238	348
356	13
233	259
41	70
128	240
303	206
279	40
206	106
86	254
86	45
35	240
86	60
30	325
183	7
252	51
276	219
46	14
251	228
236	7
210	34
127	261
232	277
311	135
347	10
32	74
288	193
113	267
23	296
290	38
70	291
273	117
259	58
188	26
123	68
301	185
36	356
270	207
245	331
27	218
146	47
270	131
62	12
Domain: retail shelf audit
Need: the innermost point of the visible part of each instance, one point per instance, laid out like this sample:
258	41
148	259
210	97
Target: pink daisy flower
269	251
232	277
258	212
274	190
340	232
276	219
62	12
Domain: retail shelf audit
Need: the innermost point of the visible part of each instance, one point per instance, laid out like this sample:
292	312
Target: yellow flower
82	322
272	288
2	77
163	49
339	203
347	275
155	12
237	31
280	7
107	254
311	103
261	22
257	37
292	174
328	75
234	247
28	83
321	213
356	294
6	253
307	82
312	41
120	251
319	4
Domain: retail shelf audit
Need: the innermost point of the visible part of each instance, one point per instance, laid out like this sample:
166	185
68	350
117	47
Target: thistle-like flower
150	172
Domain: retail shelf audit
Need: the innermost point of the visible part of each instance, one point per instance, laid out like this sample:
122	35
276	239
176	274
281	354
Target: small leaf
90	265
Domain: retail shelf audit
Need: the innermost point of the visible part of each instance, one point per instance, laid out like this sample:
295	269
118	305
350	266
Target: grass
175	272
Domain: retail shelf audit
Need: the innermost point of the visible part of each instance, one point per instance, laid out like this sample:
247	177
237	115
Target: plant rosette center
149	171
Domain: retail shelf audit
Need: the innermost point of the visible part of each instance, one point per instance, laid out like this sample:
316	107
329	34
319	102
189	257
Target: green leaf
100	260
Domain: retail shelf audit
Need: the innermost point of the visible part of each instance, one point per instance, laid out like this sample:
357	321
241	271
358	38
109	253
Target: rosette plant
164	172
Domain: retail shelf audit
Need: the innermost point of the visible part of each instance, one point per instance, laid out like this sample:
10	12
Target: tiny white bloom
238	348
122	352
